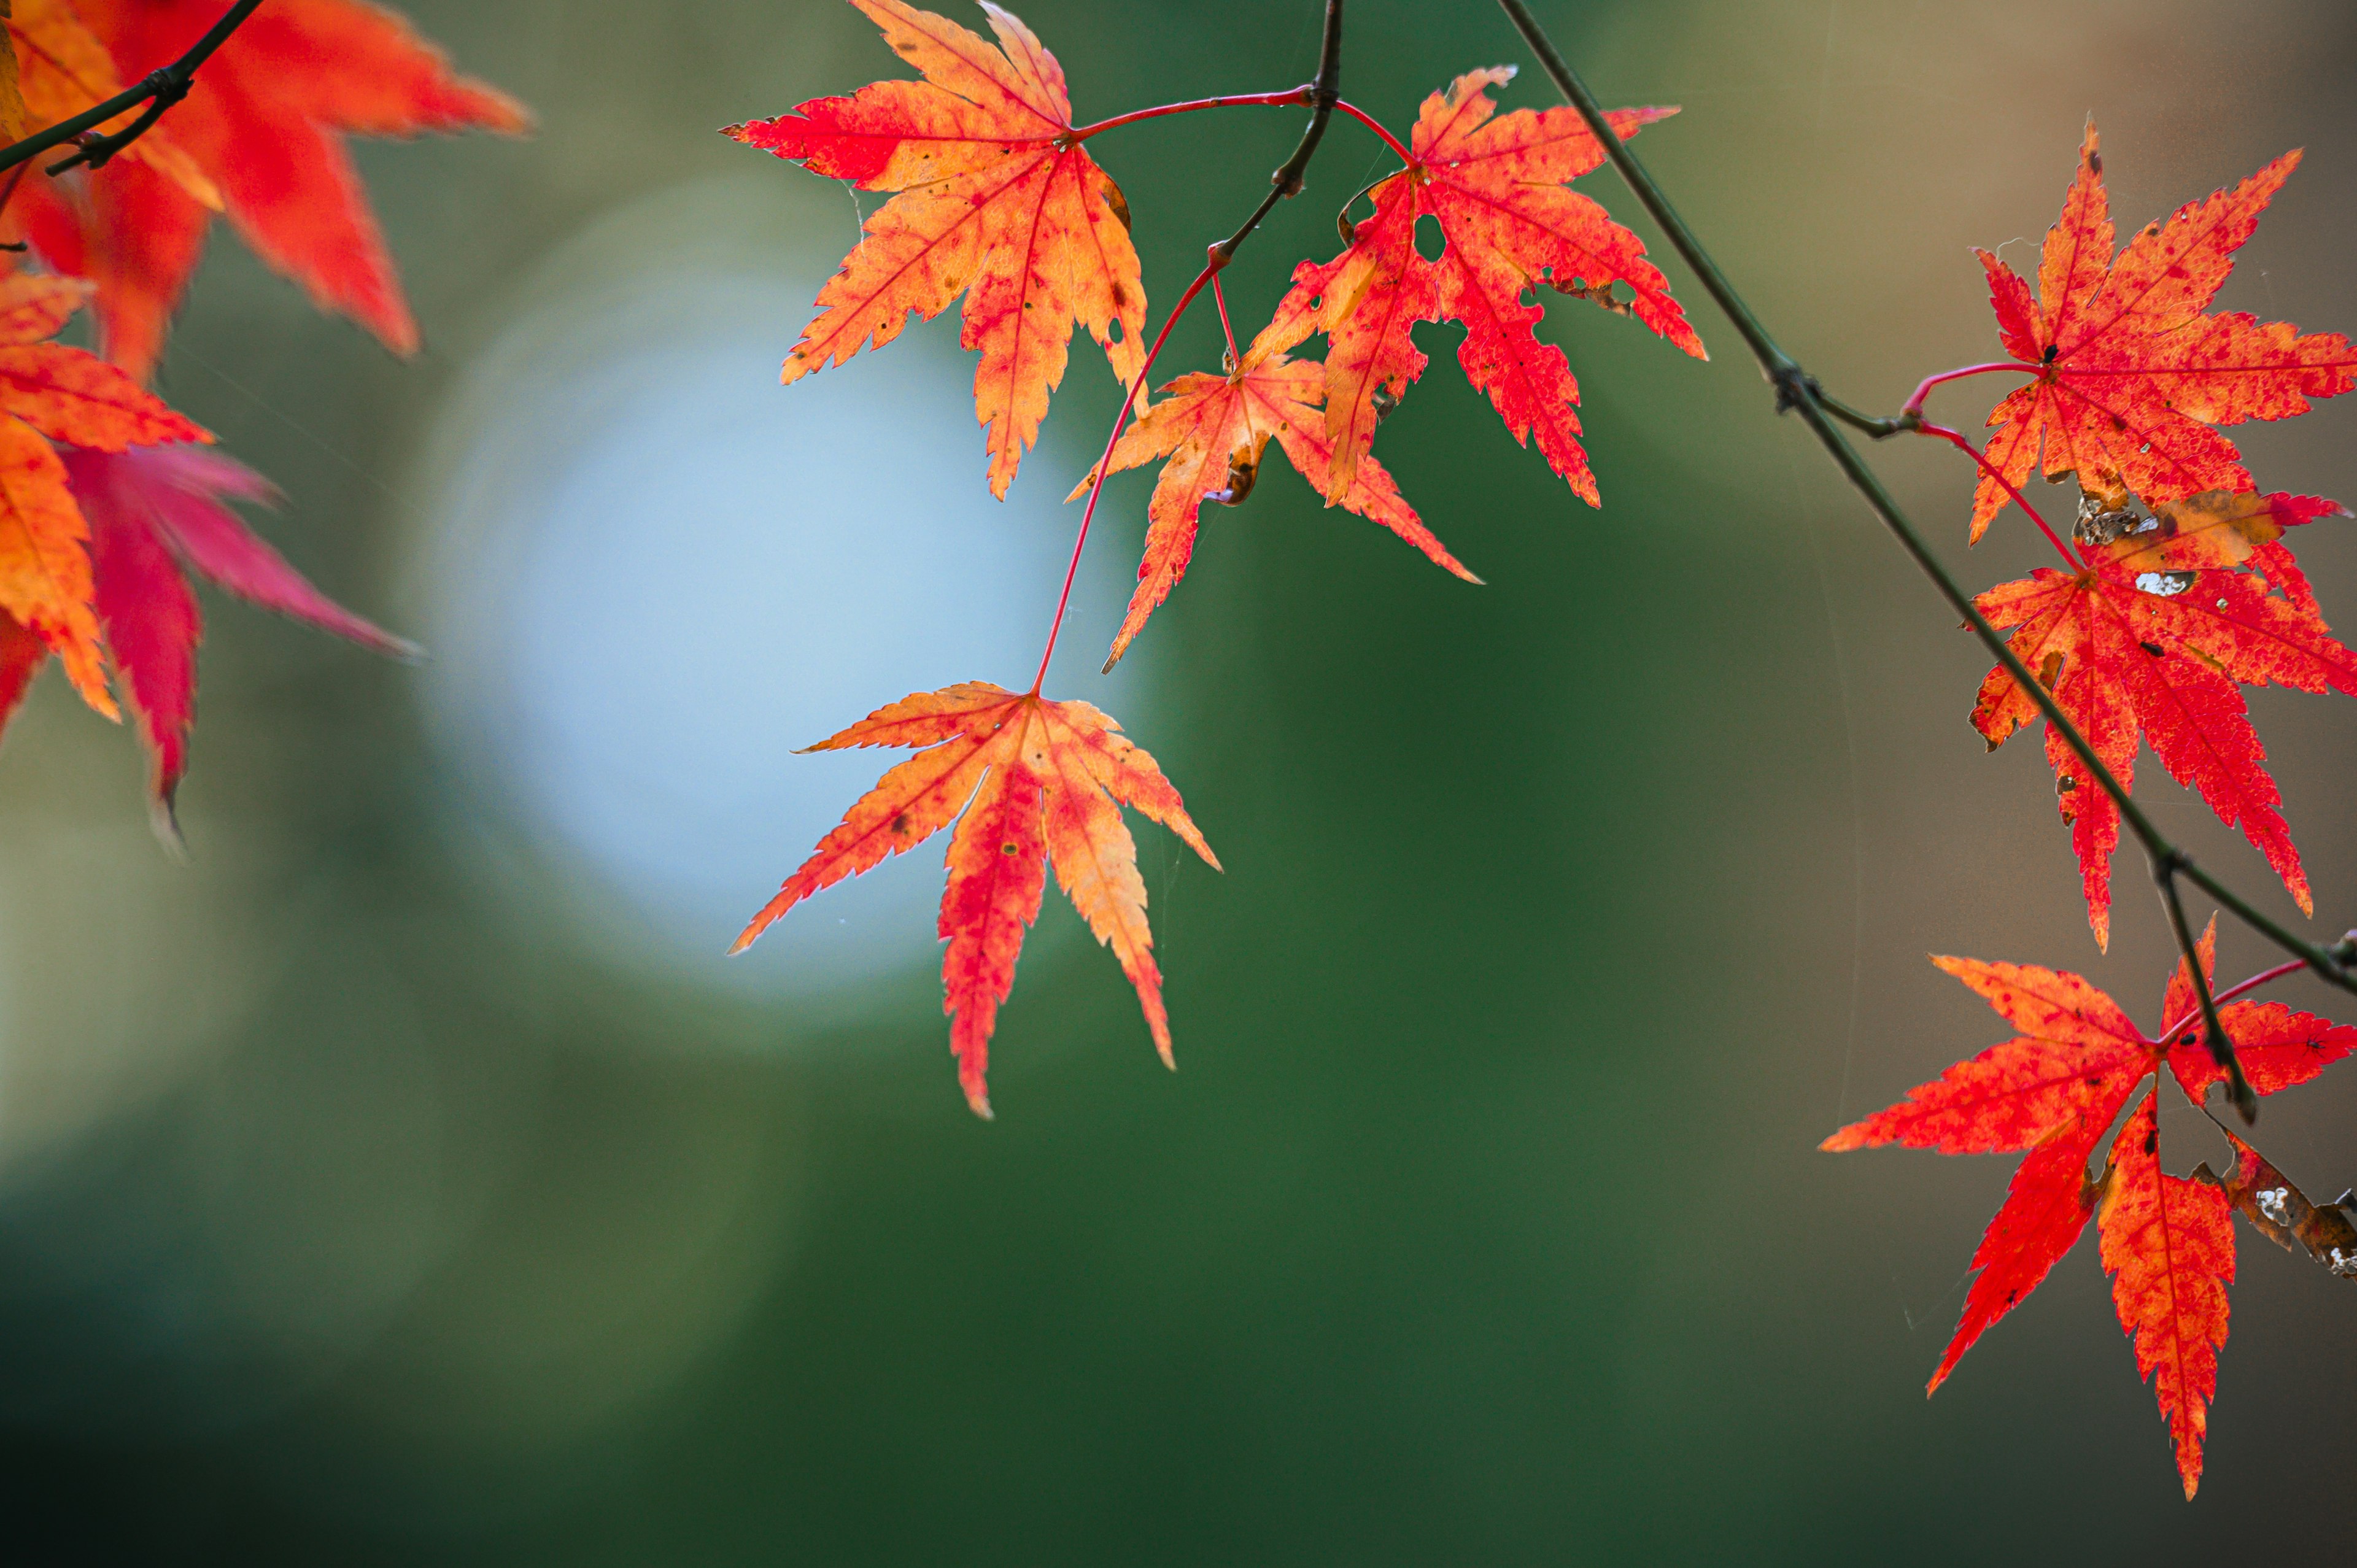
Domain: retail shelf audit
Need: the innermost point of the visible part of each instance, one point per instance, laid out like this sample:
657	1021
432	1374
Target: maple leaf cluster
2183	588
996	200
2167	612
2054	1092
110	508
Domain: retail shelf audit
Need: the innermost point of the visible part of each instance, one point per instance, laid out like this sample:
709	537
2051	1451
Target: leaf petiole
1922	427
1097	487
1372	124
1290	96
2223	997
1914	405
1323	95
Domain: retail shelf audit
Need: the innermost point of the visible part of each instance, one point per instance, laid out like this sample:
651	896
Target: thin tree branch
1795	388
2214	1030
159	90
1324	91
1323	94
1874	428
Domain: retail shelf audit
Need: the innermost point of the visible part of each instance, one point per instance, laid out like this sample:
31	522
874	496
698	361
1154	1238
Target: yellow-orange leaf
13	118
64	394
70	395
1214	431
997	202
1037	782
44	564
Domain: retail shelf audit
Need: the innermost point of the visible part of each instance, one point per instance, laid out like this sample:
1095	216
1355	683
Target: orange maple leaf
264	123
50	393
1214	431
998	202
2171	1249
13	121
1509	224
2150	641
2054	1090
2131	373
1038	781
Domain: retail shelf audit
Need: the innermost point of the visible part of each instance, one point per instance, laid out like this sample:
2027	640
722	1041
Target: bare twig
159	90
2213	1030
1286	182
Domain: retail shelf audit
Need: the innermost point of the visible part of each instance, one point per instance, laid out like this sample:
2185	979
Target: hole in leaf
1429	241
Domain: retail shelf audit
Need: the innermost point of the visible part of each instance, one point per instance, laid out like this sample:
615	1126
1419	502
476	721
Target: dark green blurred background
393	1182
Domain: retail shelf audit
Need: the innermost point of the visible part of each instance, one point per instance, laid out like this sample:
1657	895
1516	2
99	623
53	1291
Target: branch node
1793	385
159	89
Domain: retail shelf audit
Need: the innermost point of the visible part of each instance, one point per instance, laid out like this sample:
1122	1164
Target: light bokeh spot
649	573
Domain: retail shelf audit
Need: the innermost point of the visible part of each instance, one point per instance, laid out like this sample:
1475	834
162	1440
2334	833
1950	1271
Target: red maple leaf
157	520
264	123
21	655
1214	431
1037	781
52	394
2278	1047
2053	1091
1508	223
2131	373
2150	640
998	202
